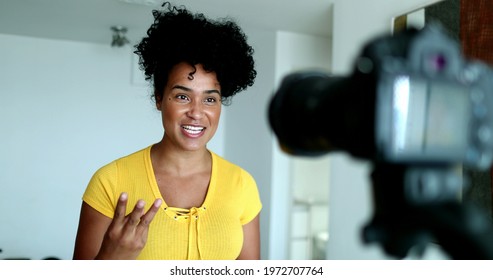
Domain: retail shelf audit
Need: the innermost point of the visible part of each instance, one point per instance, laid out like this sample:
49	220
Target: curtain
476	36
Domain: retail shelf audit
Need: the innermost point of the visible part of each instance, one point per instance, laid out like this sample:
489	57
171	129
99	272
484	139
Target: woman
188	203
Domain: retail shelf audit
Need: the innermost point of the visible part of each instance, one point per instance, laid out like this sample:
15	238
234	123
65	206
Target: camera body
411	99
433	106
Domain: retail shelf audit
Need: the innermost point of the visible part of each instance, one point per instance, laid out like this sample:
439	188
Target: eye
182	97
211	100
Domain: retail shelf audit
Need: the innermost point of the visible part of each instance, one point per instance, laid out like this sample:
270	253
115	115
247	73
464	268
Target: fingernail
123	196
158	202
140	203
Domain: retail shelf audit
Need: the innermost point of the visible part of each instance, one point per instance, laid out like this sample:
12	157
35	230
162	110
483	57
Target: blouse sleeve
100	192
251	199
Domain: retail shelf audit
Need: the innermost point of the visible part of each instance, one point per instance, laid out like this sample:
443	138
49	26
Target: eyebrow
210	91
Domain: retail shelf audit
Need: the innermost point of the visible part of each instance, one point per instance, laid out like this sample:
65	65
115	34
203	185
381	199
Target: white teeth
193	129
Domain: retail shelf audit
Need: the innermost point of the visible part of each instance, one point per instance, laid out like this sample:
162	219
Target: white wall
66	108
355	23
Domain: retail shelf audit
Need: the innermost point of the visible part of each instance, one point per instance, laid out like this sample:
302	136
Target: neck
170	160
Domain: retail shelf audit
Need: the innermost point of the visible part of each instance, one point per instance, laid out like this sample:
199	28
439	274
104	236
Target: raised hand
127	235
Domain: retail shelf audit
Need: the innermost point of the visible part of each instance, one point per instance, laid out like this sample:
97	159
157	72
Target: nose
196	110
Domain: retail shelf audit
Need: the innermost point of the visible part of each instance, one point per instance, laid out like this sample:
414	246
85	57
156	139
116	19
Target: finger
133	218
121	208
149	216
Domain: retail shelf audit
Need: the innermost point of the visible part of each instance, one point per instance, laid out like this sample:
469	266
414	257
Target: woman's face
190	107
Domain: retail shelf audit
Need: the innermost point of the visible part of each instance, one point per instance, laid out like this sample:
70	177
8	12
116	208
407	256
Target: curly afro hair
178	36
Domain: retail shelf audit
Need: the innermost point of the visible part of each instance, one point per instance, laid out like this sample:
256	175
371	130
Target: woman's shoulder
136	157
227	167
223	163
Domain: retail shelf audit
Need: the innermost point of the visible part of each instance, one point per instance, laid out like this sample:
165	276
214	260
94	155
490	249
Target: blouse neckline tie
193	217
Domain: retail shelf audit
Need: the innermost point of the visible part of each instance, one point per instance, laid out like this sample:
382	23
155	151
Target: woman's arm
251	240
92	228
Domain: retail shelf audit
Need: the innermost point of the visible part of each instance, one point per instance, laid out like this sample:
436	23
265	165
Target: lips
193	130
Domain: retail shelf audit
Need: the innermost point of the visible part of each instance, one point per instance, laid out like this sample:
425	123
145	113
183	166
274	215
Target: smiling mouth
193	129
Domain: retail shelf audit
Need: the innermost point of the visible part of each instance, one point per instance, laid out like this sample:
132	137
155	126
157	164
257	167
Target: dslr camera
417	109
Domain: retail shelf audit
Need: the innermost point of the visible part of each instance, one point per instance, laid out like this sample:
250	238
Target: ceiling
90	20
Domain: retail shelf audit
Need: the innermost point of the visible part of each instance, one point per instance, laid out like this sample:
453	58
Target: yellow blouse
211	231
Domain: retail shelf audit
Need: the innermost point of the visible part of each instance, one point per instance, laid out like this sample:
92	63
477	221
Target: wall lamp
119	38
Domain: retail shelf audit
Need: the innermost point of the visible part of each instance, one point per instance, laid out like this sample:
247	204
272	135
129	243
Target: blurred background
72	99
